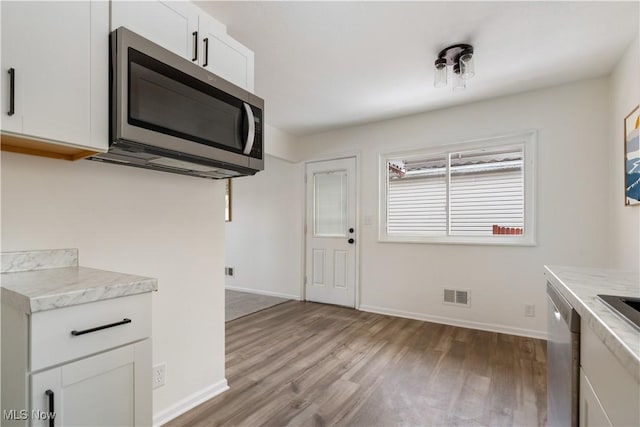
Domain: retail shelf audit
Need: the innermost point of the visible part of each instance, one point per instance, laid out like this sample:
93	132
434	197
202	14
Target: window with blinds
478	192
486	190
417	199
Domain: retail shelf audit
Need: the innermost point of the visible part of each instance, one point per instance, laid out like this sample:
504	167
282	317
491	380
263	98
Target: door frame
303	260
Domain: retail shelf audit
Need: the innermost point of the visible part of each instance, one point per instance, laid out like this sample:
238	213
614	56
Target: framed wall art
632	158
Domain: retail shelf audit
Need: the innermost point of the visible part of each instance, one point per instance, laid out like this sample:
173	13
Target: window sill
462	240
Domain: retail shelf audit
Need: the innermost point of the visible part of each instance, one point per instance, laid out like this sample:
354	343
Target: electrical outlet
529	310
159	372
228	271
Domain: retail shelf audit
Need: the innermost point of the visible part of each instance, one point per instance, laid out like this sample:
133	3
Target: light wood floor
238	304
310	364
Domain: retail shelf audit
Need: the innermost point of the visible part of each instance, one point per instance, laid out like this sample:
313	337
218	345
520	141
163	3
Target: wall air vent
461	297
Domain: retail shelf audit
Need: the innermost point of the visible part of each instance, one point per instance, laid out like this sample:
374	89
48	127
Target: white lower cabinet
591	412
89	364
609	394
110	388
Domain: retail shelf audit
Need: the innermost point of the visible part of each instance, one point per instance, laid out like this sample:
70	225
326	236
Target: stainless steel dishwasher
563	360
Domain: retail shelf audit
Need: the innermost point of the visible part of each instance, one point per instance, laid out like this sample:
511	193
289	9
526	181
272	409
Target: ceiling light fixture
460	58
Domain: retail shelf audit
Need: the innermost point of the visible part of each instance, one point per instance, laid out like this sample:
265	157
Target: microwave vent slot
180	164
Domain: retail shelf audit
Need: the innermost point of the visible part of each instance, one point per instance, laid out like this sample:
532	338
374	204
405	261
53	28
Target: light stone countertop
10	262
35	281
580	286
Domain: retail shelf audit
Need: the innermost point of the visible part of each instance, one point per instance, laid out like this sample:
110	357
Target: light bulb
466	66
440	74
459	84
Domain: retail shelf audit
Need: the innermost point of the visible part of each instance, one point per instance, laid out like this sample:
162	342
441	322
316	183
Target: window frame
529	141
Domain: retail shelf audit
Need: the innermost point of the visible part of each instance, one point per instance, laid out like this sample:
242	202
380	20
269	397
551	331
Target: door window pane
330	204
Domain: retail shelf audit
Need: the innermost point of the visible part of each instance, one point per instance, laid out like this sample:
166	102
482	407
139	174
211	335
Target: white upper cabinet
55	66
58	55
223	55
173	25
186	30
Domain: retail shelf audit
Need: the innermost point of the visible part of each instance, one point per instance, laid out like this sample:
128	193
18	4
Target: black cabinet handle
99	328
12	91
206	52
351	241
351	230
195	46
52	409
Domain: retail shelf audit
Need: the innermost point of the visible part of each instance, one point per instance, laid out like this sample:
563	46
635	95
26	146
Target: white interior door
330	273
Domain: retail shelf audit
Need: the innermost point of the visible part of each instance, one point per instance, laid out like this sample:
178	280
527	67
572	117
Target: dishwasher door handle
564	309
556	312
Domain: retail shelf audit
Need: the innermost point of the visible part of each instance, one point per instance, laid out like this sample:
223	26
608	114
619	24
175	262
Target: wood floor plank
307	364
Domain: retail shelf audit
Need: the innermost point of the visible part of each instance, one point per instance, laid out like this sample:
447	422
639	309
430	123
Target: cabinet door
591	412
111	388
170	24
50	46
12	21
224	56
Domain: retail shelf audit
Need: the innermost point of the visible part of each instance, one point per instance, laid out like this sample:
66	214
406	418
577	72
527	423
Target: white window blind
475	193
418	206
479	202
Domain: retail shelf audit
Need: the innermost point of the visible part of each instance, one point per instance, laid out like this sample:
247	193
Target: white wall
572	207
279	143
263	240
136	221
625	220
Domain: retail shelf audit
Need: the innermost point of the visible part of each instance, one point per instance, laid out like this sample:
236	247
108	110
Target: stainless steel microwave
171	115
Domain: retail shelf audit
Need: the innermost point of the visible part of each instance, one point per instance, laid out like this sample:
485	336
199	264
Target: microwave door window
158	102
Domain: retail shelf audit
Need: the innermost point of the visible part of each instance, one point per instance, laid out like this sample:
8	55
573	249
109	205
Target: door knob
351	241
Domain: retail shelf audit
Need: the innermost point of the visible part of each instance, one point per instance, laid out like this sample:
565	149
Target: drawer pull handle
51	413
99	328
206	52
195	46
12	92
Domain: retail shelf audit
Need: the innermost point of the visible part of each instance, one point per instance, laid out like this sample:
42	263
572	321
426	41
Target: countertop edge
52	302
64	293
16	300
617	346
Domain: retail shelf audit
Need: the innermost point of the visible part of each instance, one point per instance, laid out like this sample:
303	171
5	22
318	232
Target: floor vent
456	297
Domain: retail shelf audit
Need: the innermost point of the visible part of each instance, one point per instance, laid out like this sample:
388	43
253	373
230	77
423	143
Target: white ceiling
325	65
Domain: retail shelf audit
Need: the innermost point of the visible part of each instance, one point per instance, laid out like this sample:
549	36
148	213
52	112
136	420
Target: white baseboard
189	402
261	292
531	333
